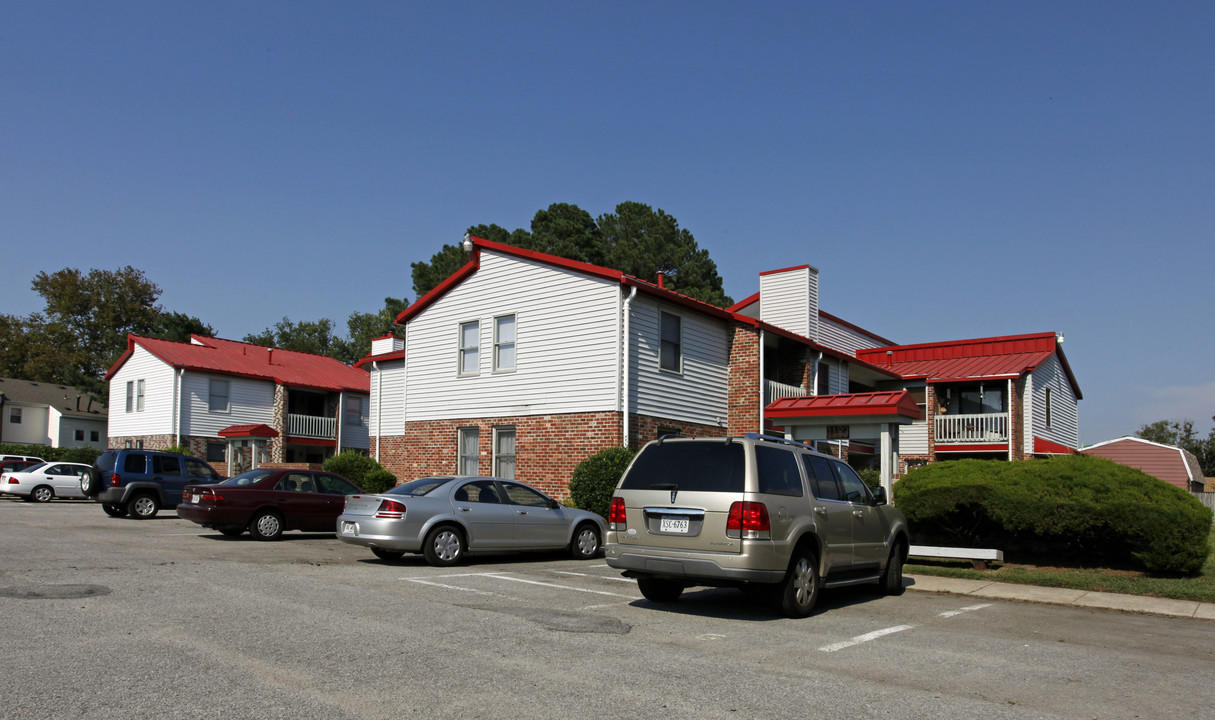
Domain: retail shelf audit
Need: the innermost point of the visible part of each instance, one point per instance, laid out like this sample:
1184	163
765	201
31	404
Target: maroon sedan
268	501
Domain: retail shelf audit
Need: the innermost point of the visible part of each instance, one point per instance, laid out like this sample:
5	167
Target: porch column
887	454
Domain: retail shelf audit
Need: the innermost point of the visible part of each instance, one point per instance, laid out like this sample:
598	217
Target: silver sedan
446	517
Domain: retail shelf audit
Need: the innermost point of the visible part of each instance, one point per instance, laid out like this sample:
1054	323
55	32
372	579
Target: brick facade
743	391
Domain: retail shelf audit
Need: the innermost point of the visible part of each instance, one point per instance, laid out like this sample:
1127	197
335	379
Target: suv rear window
689	466
135	463
777	470
105	461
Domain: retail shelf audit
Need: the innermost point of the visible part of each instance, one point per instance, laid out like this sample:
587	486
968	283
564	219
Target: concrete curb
1061	596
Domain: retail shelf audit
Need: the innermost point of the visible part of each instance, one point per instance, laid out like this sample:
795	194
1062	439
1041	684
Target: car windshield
30	468
417	488
248	478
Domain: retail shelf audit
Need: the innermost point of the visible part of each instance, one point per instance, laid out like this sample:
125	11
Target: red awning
260	430
898	403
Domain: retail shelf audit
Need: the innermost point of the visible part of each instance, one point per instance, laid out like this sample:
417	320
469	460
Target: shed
1167	462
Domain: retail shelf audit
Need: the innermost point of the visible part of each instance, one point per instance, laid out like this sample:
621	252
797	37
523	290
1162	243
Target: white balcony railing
312	426
971	429
774	391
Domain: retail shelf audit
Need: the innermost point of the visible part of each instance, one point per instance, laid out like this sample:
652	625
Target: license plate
673	524
195	498
348	528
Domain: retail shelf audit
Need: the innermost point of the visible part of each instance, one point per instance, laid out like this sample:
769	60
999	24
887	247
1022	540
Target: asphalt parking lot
109	617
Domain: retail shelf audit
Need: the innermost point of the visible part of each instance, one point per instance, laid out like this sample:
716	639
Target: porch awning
896	403
259	430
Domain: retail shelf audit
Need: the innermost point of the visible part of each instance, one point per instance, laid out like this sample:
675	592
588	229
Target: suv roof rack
776	439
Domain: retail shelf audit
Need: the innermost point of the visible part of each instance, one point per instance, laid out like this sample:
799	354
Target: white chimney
788	299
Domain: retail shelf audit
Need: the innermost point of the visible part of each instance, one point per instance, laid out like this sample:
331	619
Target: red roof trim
845	323
1047	447
474	263
394	355
311	441
738	306
783	270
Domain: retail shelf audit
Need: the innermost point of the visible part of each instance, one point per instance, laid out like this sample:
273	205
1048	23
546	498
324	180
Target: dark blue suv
140	482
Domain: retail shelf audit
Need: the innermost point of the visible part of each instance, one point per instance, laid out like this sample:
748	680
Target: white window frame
212	396
14	415
139	395
499	343
1049	409
130	396
464	351
468	450
662	343
499	456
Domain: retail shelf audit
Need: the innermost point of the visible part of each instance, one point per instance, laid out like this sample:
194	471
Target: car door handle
858	513
820	509
521	512
464	509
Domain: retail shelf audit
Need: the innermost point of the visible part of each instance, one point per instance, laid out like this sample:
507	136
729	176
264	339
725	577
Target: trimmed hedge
84	455
595	479
1078	508
362	470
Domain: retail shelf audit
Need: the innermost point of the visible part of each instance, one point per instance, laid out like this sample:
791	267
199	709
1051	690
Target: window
777	471
334	485
822	379
479	491
14	415
822	479
504	453
165	465
980	400
131	396
470	461
854	488
354	411
135	463
523	495
217	400
94	436
504	343
79	436
470	341
670	352
139	396
199	469
217	452
1048	410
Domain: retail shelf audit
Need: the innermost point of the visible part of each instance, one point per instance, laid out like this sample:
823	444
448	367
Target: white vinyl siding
157	415
250	402
1065	417
844	338
565	359
913	438
387	416
789	300
699	392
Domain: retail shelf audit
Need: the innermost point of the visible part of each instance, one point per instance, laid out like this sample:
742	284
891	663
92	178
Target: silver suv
751	512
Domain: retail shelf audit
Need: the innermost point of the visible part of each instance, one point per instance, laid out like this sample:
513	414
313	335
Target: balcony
774	391
312	426
984	429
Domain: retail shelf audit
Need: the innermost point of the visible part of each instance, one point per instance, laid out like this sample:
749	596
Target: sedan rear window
417	488
689	466
248	478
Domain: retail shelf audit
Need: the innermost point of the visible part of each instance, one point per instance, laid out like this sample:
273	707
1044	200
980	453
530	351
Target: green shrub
872	478
180	450
84	455
362	470
1076	508
596	478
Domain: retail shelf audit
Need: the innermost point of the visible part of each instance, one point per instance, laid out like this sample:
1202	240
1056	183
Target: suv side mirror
879	495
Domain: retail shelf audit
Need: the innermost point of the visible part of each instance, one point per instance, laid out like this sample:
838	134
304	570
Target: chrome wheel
799	591
143	507
42	493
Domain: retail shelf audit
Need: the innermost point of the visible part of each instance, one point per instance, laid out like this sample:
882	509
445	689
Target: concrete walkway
1061	596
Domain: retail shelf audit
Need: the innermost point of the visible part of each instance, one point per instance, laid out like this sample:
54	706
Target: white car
43	482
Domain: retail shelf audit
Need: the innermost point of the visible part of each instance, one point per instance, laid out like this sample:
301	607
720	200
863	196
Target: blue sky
954	169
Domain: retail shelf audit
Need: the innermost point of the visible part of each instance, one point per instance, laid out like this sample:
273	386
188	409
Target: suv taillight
390	510
750	520
115	481
617	519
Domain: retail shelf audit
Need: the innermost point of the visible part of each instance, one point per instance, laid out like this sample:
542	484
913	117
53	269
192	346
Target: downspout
379	405
817	362
341	409
761	381
624	366
177	407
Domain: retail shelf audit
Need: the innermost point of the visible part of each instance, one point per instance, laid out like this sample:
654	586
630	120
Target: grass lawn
1200	587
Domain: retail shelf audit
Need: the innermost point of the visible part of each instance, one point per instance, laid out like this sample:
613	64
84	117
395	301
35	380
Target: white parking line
865	638
561	587
960	611
599	577
450	587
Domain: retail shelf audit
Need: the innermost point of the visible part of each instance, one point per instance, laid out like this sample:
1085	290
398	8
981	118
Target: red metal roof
978	359
228	357
258	430
897	402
